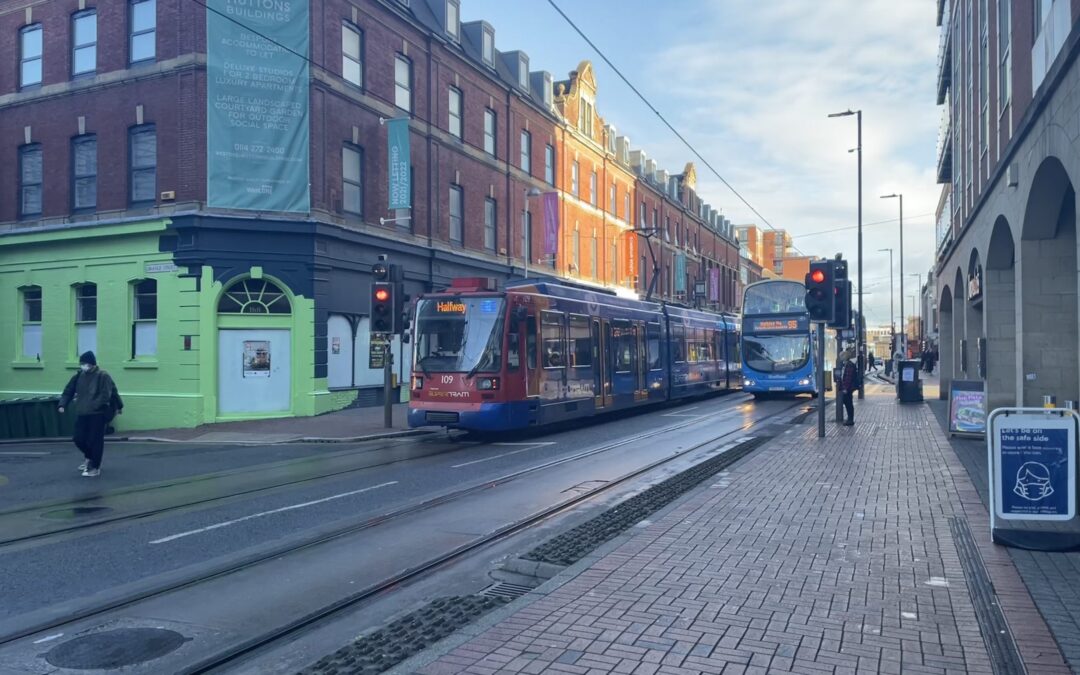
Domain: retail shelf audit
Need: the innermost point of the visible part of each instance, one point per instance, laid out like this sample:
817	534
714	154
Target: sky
750	85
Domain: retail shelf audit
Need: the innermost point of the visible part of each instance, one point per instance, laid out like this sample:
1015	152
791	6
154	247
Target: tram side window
581	347
625	339
530	342
652	332
678	344
513	346
706	345
553	336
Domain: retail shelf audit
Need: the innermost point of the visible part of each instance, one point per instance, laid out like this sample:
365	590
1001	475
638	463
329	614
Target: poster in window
335	345
256	358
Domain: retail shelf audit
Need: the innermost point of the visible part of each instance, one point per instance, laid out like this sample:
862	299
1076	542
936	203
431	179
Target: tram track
180	581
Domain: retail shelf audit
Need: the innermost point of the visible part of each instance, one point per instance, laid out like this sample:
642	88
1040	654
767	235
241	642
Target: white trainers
82	467
91	473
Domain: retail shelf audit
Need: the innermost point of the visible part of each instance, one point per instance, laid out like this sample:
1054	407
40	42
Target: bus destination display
775	325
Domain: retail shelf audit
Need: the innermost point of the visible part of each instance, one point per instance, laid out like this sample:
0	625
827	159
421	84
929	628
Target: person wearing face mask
96	402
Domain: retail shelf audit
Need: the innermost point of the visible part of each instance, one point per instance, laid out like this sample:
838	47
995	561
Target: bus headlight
488	383
748	383
417	382
804	382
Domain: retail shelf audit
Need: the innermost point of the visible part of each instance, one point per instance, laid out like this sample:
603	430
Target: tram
542	352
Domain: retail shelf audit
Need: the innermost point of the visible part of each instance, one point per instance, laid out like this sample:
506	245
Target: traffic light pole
388	389
821	381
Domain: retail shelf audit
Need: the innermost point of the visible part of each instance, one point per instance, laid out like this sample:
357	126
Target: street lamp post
902	328
526	230
892	315
860	339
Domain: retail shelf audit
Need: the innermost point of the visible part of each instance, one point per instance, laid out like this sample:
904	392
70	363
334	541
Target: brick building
110	198
1006	273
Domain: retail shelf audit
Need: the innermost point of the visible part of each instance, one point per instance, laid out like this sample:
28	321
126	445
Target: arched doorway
945	341
1000	307
973	314
1049	287
254	349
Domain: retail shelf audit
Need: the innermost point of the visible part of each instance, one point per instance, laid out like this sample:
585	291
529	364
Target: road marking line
529	444
267	513
25	454
505	454
48	638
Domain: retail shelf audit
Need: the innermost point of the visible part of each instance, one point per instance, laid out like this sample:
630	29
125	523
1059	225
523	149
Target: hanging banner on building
714	284
680	272
398	161
630	254
257	105
551	223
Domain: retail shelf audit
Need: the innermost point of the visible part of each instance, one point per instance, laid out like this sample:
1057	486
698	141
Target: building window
1004	53
489	131
143	30
30	39
592	188
453	27
457	231
84	172
575	254
549	164
403	83
984	74
593	258
352	179
30	176
641	215
585	117
84	43
491	231
526	152
455	112
31	322
85	318
523	73
489	47
143	145
144	316
352	54
626	205
614	200
575	187
527	249
254	296
614	263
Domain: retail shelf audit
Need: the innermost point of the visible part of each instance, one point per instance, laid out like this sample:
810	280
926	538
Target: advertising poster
398	163
967	407
680	272
714	284
257	105
335	345
256	358
1034	476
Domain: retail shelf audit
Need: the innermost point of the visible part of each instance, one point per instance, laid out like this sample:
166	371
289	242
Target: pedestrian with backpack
97	401
848	385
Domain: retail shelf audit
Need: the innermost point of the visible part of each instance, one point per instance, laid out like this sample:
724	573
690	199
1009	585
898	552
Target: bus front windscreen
458	335
776	353
774	297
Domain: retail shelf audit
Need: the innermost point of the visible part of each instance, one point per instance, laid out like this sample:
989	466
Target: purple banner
551	223
714	284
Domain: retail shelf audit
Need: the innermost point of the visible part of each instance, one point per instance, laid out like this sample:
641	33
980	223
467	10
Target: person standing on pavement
873	363
96	402
848	385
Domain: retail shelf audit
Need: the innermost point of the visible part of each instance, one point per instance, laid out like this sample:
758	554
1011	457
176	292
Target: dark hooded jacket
94	393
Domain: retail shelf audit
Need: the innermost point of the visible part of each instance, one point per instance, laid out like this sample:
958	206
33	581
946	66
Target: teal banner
257	105
397	131
680	272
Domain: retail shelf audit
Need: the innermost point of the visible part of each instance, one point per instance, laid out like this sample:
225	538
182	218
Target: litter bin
49	416
15	416
908	384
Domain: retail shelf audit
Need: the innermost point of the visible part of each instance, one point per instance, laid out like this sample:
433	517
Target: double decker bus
778	342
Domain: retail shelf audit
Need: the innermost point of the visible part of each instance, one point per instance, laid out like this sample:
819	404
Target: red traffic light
382	295
817	276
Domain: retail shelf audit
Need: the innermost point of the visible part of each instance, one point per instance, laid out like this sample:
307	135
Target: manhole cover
114	648
77	512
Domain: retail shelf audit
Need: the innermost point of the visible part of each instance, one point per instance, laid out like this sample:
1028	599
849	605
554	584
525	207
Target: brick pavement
809	556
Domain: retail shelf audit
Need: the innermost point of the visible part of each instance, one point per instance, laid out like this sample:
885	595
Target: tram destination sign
778	324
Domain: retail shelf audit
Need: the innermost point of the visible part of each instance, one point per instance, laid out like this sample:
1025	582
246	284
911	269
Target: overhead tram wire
854	227
660	115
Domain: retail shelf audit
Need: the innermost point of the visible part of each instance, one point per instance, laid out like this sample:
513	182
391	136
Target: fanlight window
254	296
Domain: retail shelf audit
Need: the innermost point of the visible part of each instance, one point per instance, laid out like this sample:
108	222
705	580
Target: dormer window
489	46
453	24
585	117
547	90
523	72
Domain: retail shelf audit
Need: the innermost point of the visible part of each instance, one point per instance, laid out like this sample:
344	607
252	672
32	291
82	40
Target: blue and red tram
541	352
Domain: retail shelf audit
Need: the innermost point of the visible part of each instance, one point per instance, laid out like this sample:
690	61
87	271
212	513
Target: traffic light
380	271
842	291
383	319
820	291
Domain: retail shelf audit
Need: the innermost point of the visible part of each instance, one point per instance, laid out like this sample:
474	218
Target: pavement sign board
967	408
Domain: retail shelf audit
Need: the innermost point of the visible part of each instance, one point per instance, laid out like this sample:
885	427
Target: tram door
532	366
601	344
641	365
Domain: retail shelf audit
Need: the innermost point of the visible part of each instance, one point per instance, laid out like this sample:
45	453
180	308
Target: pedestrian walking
97	401
848	385
873	363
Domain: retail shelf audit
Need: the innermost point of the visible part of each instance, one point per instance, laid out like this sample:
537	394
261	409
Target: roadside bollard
1070	405
1049	401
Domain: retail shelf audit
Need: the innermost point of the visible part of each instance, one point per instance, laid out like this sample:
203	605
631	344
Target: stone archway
973	313
945	341
961	356
1048	287
1000	308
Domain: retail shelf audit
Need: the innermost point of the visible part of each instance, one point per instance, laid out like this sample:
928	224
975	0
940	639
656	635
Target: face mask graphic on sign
1033	482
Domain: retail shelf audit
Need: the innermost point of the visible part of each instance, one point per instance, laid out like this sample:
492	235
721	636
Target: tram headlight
417	382
488	383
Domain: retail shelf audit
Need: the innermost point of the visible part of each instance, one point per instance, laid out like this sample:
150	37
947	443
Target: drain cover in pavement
77	512
114	648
